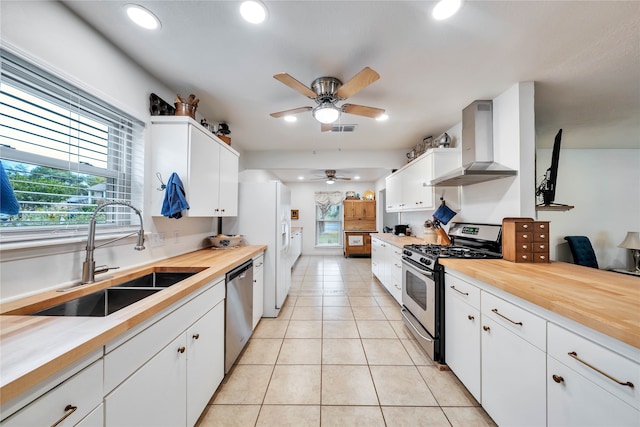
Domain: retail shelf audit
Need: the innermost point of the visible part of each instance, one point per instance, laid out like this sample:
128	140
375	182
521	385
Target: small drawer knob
557	378
486	328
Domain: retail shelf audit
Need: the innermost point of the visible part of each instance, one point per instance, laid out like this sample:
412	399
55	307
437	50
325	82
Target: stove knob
406	252
425	261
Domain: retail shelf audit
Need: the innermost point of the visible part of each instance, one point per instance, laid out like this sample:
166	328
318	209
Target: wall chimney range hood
477	149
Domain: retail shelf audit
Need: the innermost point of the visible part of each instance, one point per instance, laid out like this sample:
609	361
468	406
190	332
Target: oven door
418	304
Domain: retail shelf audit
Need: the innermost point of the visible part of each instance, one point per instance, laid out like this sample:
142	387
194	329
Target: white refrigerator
264	210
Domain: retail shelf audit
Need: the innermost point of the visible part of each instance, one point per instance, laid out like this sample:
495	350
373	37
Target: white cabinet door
377	258
462	341
228	191
94	419
393	192
513	377
204	178
393	272
576	401
258	289
155	394
205	361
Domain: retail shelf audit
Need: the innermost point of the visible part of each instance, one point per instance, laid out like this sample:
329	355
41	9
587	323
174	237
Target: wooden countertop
36	347
398	241
601	300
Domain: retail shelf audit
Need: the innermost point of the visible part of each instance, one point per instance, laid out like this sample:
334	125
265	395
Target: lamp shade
631	241
326	113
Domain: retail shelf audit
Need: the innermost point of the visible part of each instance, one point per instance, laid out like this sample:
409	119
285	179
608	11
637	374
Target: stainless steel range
423	280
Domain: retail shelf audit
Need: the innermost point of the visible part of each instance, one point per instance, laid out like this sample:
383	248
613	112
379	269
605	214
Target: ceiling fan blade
361	80
344	178
295	85
326	127
361	110
292	111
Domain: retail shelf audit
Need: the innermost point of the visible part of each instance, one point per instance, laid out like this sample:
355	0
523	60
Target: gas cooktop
454	251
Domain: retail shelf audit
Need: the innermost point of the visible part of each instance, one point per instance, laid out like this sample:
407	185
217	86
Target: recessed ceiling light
446	9
382	117
290	119
301	178
253	11
142	17
356	177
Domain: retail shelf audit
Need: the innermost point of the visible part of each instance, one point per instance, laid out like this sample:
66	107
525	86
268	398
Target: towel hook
442	199
162	184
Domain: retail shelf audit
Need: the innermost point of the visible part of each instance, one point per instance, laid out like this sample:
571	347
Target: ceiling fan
327	92
331	177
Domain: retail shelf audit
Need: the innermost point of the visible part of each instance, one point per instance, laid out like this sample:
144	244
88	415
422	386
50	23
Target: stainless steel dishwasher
239	312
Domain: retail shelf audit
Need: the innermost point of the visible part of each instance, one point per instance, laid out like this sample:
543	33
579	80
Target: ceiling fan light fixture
382	117
142	17
290	118
330	181
445	9
326	113
253	11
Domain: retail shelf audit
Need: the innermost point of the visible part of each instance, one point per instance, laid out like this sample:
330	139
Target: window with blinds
64	152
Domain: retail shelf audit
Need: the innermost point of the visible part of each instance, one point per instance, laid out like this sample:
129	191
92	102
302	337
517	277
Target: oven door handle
402	311
417	269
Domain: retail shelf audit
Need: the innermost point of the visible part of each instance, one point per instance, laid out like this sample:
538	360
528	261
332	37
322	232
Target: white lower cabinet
393	272
377	257
258	289
66	404
588	384
462	333
94	419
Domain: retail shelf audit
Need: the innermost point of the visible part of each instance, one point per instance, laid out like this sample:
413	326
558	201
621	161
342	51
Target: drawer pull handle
574	355
196	336
557	378
486	328
495	310
68	410
466	294
181	349
470	317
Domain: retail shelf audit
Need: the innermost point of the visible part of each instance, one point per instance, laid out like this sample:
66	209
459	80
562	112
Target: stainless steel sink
157	279
100	303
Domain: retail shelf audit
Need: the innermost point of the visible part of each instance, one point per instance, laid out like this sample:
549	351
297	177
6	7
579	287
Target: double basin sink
107	301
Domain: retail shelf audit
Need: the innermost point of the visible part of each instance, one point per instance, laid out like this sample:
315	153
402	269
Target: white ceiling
583	55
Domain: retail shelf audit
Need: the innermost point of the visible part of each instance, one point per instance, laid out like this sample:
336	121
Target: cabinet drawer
125	359
540	236
82	391
602	360
524	236
523	256
465	291
518	320
540	247
540	257
524	226
541	227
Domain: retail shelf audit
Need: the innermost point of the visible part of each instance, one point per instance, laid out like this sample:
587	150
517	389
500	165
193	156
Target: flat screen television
547	188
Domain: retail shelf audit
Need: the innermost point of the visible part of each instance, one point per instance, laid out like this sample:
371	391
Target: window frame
339	221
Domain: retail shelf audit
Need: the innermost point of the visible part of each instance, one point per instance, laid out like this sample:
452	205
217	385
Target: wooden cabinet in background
357	243
525	240
359	215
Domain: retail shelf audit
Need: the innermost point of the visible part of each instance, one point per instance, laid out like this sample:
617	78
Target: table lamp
632	241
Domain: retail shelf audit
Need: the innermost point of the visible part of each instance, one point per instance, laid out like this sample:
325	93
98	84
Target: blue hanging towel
174	198
8	203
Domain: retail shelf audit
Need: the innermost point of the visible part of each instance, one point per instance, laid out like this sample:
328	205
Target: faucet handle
103	269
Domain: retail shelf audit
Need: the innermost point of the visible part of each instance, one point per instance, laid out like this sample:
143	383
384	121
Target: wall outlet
176	236
157	239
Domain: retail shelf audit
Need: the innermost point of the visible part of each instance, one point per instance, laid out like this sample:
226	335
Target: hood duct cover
477	149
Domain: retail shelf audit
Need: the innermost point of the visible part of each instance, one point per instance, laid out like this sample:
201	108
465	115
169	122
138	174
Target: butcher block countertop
36	347
602	300
398	241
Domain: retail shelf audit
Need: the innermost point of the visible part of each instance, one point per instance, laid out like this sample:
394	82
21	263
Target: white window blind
64	151
328	218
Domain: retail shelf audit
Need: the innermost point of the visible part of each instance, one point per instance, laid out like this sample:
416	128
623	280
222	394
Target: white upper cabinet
208	168
410	189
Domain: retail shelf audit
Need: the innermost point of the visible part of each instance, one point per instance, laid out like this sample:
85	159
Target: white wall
47	34
604	187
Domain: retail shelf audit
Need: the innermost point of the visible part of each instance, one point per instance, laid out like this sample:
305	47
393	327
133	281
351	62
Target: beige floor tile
416	352
386	352
285	313
347	385
342	352
290	301
352	416
412	416
304	329
401	330
375	329
270	328
301	351
261	351
392	313
363	302
337	313
309	301
294	385
336	301
387	301
289	416
359	292
229	416
307	313
246	385
368	313
401	386
311	286
339	329
466	417
446	387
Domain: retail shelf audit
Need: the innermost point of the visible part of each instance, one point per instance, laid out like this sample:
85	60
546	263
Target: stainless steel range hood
477	149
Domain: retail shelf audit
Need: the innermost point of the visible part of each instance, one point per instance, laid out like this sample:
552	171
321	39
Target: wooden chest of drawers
525	240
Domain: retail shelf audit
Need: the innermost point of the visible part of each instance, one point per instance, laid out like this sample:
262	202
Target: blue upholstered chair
582	251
